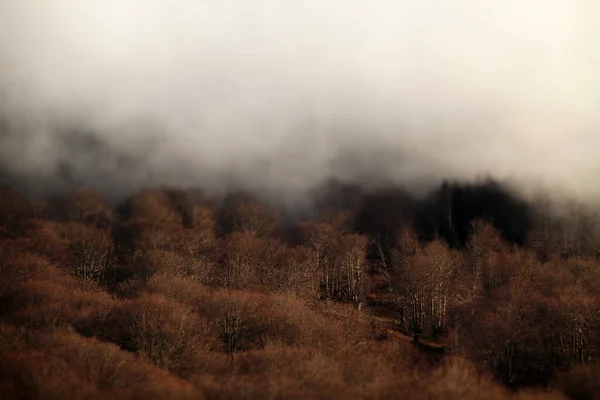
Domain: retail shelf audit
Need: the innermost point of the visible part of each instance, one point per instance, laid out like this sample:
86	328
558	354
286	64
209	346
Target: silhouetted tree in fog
85	206
450	210
381	216
241	212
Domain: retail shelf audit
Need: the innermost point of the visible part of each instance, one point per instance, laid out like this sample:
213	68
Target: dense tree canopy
458	294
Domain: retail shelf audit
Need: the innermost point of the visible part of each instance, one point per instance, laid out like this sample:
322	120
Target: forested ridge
465	293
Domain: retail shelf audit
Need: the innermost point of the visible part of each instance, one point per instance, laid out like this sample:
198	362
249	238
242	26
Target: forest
467	292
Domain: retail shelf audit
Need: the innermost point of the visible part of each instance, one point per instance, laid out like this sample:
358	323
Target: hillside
468	293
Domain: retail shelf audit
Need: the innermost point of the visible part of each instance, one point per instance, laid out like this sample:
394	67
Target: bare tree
574	325
92	250
167	332
351	266
425	283
320	237
339	260
242	213
87	206
483	245
238	260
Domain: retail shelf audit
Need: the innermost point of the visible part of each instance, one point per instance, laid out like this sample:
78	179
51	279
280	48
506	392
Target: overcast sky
282	94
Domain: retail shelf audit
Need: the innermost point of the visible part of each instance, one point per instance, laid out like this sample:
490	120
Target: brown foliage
36	294
14	213
249	315
240	212
62	364
166	263
43	304
426	282
86	206
243	320
582	383
484	247
91	249
246	320
150	222
164	331
43	238
339	260
197	213
289	270
181	289
237	268
153	207
263	264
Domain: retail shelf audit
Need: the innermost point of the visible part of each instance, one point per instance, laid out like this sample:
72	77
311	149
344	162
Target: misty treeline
468	291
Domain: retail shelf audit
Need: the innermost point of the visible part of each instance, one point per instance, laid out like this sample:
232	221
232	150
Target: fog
278	95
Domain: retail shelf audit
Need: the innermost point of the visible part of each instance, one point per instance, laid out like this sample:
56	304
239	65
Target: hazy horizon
279	95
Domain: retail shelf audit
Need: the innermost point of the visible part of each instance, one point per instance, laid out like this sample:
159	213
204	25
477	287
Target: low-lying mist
278	96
